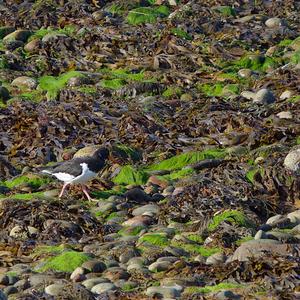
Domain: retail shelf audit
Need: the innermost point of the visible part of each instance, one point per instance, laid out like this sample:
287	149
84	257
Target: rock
22	284
25	82
38	279
217	258
168	190
296	229
104	206
245	73
292	161
273	22
286	95
4	93
33	46
103	287
19	35
4	279
294	216
159	266
55	289
153	179
90	283
127	255
137	195
18	232
148	209
5	30
227	295
273	220
164	291
285	115
9	290
280	236
264	96
115	273
138	221
94	266
258	248
77	273
248	95
2	295
260	234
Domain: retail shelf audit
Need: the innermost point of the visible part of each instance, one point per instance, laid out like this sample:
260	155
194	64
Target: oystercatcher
79	170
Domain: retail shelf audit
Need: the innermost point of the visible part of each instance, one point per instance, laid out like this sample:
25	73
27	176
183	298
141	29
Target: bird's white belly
85	175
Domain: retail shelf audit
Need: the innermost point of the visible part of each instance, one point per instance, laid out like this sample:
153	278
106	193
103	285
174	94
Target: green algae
31	180
55	249
181	33
177	174
213	288
52	85
113	84
172	91
68	30
195	238
232	216
28	196
243	240
107	193
127	152
252	173
129	175
157	239
182	160
196	249
142	15
226	11
65	262
256	62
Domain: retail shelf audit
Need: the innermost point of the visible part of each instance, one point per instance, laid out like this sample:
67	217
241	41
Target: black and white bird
79	170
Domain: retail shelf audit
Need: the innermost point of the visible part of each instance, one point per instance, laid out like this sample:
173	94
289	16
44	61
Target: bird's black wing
72	167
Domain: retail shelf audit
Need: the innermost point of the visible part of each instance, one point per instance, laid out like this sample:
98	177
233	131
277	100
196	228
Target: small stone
78	81
9	290
168	190
280	236
294	216
159	266
163	291
20	35
285	115
2	295
137	195
55	289
104	206
77	273
286	95
292	161
148	209
138	221
227	295
33	46
22	284
273	22
25	82
245	73
264	96
94	266
18	232
296	229
274	219
103	287
260	234
37	279
4	93
115	273
127	255
4	279
90	283
217	258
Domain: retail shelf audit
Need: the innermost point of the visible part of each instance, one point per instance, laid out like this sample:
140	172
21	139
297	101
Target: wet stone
217	258
94	266
274	219
227	295
273	22
146	209
25	82
163	291
91	282
264	96
55	289
9	290
103	287
22	284
159	266
77	273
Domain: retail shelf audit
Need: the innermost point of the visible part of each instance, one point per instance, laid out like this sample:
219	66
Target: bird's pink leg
63	189
84	189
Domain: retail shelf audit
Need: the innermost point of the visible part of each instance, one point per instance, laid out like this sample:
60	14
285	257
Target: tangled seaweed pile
200	101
